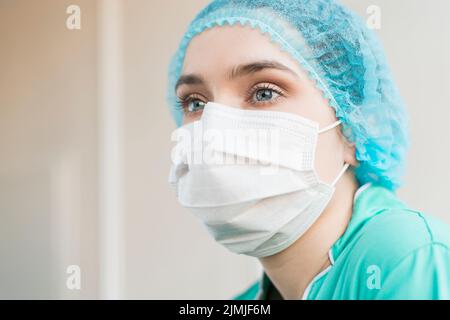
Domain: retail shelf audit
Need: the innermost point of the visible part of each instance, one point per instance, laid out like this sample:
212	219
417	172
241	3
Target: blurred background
85	146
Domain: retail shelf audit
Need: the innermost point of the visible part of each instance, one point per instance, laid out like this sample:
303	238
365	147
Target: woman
325	222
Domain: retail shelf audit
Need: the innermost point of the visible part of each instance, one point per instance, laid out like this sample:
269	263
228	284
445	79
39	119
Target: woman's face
240	67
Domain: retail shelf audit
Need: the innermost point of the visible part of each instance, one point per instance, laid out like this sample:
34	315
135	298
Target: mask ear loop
331	126
340	174
327	128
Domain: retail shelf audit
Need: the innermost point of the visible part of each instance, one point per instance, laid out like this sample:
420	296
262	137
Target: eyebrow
237	71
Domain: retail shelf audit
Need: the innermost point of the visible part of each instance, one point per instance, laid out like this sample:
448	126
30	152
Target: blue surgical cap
345	60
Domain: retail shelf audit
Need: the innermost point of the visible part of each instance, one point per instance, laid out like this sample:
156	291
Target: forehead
221	47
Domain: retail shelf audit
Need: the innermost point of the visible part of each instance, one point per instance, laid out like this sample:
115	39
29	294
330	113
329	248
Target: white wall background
48	149
52	146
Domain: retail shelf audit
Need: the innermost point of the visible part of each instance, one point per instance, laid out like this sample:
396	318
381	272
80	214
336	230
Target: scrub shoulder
398	254
393	234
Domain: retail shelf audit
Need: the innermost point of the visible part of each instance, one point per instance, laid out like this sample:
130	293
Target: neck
292	269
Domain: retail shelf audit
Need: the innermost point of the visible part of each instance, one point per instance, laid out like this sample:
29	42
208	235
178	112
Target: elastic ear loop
332	126
340	174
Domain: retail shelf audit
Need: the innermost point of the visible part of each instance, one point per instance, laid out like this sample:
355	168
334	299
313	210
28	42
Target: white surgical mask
249	176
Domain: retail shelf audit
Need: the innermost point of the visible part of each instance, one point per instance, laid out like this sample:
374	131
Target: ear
349	152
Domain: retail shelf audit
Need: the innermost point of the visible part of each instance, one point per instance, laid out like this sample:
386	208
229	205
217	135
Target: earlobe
350	153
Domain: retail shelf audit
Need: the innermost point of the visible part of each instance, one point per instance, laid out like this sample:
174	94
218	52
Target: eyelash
263	86
183	102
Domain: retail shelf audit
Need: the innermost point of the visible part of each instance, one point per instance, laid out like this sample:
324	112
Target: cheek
309	104
329	156
188	118
329	153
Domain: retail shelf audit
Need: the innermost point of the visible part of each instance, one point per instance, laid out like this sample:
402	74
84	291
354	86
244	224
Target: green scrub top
388	251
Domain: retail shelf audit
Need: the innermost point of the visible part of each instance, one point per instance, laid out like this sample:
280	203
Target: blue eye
190	104
266	93
195	105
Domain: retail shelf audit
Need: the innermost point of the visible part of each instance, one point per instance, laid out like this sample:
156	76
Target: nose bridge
226	95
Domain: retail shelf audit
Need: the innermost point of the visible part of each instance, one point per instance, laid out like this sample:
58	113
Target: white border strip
111	251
